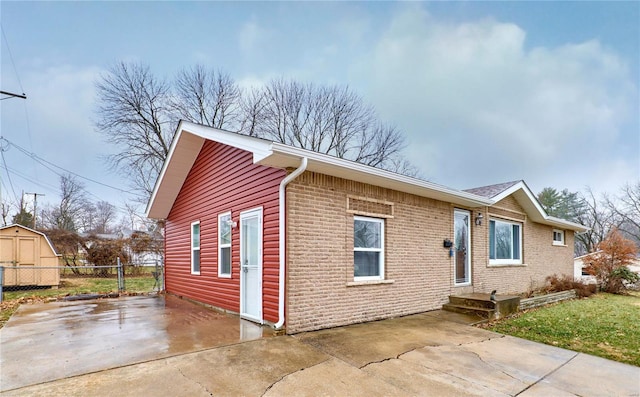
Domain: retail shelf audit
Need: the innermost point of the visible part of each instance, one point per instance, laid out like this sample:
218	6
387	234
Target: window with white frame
195	248
505	242
558	237
224	245
368	248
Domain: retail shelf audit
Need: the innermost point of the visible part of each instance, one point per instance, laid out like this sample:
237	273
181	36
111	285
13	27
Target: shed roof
190	138
32	231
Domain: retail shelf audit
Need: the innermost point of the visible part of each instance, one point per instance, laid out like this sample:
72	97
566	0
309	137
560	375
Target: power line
4	161
13	63
43	161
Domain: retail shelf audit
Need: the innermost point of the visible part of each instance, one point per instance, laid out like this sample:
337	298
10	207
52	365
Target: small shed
28	257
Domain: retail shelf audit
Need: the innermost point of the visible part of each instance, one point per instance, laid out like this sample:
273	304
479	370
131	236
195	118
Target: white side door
251	265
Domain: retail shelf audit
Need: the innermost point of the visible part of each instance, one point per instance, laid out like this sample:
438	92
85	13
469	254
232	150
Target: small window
195	248
368	248
505	242
224	245
558	237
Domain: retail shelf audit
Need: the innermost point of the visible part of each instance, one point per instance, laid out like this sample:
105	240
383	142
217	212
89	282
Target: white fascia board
565	224
287	156
532	207
182	154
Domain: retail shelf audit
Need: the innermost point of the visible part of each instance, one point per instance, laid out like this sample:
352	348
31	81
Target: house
304	240
580	274
28	257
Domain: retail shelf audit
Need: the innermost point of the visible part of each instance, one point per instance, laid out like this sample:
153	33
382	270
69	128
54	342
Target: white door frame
244	215
468	243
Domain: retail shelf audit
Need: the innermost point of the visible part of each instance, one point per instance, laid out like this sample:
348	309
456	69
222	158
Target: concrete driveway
433	353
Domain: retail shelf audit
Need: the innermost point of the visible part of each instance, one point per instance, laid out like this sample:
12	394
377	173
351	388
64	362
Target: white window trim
221	246
381	249
508	261
191	248
560	242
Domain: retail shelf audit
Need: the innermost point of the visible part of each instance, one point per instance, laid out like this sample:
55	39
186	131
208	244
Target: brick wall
321	292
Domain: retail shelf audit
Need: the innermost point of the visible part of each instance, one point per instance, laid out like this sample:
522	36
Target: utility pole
35	207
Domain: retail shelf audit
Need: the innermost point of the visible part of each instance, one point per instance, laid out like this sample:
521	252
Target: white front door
251	265
462	247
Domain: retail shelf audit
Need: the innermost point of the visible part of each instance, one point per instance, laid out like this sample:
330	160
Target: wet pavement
433	353
61	339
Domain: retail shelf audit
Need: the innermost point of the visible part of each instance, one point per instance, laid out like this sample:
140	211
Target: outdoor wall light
479	218
231	223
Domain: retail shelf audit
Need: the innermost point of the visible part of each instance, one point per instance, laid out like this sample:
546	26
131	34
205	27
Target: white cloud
478	107
252	36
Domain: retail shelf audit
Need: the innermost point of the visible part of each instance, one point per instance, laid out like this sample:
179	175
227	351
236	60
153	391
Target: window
224	245
195	248
558	237
368	248
505	243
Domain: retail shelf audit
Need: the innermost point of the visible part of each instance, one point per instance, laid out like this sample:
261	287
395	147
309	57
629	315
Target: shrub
609	263
557	283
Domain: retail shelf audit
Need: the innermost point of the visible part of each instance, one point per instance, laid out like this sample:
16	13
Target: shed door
7	259
27	254
251	265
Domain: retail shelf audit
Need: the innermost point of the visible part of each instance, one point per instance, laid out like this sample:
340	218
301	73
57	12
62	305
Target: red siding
222	179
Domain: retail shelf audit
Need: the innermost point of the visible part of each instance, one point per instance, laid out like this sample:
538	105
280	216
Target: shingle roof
491	190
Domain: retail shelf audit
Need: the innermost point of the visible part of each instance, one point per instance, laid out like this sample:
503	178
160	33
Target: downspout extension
282	238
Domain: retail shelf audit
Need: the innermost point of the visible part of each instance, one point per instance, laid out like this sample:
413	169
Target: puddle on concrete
60	339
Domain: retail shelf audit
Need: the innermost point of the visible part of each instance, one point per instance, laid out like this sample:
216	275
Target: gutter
282	238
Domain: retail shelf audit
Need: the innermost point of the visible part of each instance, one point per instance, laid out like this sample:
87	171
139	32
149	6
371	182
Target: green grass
75	286
603	325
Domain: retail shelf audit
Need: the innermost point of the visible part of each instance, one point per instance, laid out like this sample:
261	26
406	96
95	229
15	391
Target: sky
484	92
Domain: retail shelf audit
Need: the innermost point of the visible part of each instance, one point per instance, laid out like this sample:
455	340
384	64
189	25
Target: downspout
282	238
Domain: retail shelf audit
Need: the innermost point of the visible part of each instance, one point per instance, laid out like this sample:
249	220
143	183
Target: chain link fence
79	281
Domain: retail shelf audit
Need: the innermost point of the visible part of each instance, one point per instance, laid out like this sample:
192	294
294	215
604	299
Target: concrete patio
433	353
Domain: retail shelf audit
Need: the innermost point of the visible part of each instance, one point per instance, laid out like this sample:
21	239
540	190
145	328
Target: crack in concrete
192	380
547	375
291	373
397	357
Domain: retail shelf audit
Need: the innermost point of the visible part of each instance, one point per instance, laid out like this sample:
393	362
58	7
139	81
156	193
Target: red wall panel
222	179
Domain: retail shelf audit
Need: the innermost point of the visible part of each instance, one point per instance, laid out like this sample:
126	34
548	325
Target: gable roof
32	231
527	200
491	190
190	138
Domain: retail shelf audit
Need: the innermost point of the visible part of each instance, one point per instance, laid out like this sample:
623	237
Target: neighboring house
28	257
295	238
580	262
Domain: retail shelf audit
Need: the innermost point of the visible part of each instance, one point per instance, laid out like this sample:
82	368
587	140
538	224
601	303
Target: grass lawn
71	286
603	325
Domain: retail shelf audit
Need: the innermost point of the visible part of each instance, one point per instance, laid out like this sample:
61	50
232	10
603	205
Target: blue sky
485	92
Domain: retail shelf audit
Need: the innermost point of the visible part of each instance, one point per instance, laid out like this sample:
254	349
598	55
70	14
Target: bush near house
609	263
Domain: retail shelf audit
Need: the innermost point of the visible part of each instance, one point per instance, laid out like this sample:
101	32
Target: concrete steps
482	306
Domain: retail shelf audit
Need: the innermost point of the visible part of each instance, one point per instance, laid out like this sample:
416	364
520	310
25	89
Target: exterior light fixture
231	223
479	218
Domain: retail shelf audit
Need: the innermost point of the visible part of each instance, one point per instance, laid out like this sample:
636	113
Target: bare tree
105	217
134	114
69	212
326	119
207	97
600	220
137	112
627	208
